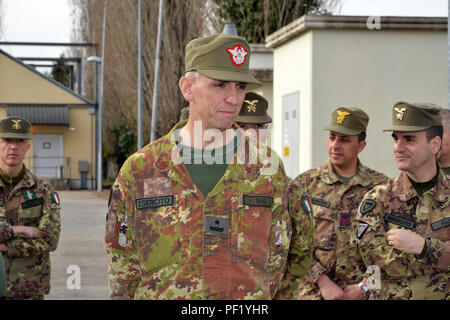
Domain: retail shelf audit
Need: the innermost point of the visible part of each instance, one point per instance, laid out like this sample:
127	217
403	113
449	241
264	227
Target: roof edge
309	22
46	78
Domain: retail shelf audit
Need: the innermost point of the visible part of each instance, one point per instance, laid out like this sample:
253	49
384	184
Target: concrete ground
80	257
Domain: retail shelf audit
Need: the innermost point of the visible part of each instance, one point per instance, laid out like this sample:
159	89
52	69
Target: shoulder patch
367	206
55	198
306	204
361	230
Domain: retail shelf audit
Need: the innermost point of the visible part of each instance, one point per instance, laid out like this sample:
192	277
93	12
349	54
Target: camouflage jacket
164	240
333	206
34	203
301	248
396	204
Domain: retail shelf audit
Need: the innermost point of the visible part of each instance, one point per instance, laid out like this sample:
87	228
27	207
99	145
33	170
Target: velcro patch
362	228
440	224
257	201
32	203
402	222
155	202
320	202
216	225
367	206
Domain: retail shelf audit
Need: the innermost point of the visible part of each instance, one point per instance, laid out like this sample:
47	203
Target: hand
31	232
3	247
405	240
329	289
354	292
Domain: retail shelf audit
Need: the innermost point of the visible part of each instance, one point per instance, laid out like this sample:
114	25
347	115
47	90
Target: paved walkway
81	248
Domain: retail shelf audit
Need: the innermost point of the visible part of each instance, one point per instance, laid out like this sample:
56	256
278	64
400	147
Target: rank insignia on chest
306	204
216	225
55	198
29	195
361	230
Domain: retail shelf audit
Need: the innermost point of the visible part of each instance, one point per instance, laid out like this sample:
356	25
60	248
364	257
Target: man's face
412	150
259	131
12	151
216	103
343	149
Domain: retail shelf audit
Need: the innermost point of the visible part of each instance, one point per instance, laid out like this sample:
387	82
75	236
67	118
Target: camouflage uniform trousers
394	205
165	240
333	206
34	203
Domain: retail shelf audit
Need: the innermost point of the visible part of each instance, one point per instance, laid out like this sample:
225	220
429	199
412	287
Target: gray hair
192	75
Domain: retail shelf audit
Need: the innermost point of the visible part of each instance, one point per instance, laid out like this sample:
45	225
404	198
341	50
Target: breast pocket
30	212
252	220
326	237
156	228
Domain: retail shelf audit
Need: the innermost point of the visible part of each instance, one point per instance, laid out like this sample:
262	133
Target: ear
435	145
362	145
185	85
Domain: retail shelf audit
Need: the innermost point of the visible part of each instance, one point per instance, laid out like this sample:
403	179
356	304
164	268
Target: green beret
254	110
15	127
348	121
220	57
412	117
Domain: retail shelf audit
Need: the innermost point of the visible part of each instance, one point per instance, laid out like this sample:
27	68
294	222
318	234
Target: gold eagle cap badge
341	116
400	114
16	124
251	105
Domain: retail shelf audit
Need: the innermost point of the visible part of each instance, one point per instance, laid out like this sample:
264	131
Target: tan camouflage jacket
396	204
33	203
164	240
333	206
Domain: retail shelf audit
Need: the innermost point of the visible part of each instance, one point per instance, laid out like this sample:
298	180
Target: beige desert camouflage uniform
333	208
164	240
27	261
397	205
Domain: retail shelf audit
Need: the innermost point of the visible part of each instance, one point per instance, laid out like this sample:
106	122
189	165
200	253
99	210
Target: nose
234	95
398	146
335	144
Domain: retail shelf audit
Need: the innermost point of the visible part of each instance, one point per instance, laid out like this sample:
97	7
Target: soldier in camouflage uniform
178	229
331	194
403	225
29	216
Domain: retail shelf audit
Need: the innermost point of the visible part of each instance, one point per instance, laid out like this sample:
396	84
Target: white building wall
372	70
293	72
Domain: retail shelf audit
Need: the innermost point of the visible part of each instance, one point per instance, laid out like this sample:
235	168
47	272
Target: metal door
291	123
48	155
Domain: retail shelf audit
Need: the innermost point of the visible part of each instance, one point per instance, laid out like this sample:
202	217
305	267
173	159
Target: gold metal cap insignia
341	116
16	124
251	105
400	114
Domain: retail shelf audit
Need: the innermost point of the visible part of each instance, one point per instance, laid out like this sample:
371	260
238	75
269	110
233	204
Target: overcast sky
50	20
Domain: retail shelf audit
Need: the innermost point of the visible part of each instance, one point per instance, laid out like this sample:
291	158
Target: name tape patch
440	224
408	224
216	225
32	203
320	202
155	202
257	201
